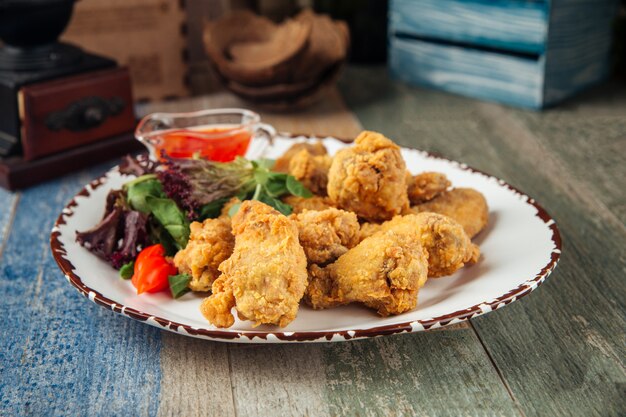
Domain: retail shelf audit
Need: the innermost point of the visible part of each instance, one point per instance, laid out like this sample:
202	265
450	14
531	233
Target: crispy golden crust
217	308
316	149
369	178
368	229
448	246
321	291
465	205
314	203
385	272
266	272
381	263
326	235
311	170
210	243
426	186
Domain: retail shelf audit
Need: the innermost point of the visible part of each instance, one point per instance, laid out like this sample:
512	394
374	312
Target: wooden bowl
252	50
284	97
327	45
280	66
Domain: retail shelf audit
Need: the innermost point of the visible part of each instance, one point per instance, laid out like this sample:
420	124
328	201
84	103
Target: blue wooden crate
527	53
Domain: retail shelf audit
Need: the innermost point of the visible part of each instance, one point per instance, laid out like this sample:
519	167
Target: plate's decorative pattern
61	234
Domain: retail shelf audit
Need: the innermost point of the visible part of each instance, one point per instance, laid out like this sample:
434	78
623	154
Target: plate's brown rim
59	253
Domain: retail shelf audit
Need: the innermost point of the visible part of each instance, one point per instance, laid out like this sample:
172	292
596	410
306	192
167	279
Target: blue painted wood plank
578	47
7	207
572	38
481	74
61	354
512	25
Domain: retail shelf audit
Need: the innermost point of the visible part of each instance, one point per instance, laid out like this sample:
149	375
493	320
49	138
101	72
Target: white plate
520	248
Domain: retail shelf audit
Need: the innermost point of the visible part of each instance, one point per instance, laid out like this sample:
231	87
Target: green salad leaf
140	188
296	188
158	234
275	185
127	270
284	208
171	218
233	209
270	186
212	209
179	284
264	163
146	194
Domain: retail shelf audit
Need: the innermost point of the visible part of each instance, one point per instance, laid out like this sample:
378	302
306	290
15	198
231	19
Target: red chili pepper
152	270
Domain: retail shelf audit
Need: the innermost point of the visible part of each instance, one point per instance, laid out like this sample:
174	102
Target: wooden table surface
558	352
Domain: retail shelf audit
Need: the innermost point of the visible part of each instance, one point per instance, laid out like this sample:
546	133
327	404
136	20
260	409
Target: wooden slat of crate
490	76
461	46
512	25
578	47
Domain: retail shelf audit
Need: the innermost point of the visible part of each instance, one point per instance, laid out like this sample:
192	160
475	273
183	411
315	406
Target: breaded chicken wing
368	229
369	178
384	272
299	204
315	149
217	308
465	205
426	186
210	243
326	235
448	246
311	170
266	273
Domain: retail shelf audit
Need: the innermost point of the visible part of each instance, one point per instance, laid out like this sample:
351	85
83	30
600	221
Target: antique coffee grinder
61	108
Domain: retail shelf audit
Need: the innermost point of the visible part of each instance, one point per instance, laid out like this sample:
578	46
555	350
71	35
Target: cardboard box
148	36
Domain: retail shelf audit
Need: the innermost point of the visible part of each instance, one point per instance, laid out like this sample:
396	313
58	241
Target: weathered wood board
560	351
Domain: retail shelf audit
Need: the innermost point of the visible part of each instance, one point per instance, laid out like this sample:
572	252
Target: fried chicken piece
210	243
448	246
216	308
326	235
421	187
311	170
368	229
426	186
465	205
316	203
315	149
321	291
384	272
266	272
369	178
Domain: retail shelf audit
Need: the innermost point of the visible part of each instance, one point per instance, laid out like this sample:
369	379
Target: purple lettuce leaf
102	238
134	237
138	165
120	234
195	183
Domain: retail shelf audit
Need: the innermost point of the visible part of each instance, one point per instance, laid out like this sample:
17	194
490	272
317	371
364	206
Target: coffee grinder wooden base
55	121
17	173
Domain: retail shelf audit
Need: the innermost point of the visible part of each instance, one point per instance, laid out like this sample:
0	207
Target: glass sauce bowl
218	135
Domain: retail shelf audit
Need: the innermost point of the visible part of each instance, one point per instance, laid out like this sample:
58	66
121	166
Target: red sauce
216	144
